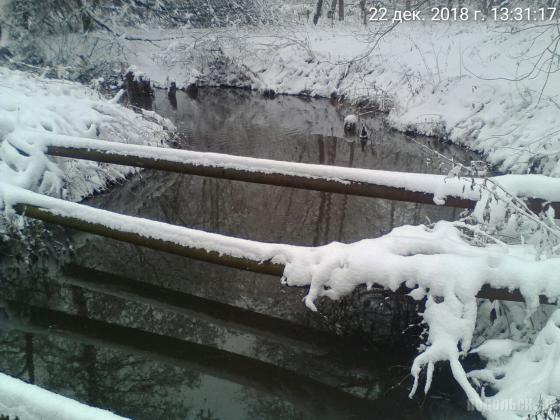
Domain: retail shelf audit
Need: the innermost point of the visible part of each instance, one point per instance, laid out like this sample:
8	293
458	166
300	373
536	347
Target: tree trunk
3	36
3	28
318	11
86	22
340	9
29	359
363	11
332	9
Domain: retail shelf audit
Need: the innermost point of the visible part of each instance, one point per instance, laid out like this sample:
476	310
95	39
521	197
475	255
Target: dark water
161	364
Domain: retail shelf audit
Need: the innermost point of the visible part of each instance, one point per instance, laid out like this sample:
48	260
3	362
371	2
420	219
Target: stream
147	362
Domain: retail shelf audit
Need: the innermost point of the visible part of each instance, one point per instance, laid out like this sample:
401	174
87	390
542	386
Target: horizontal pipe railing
215	256
278	179
197	253
390	185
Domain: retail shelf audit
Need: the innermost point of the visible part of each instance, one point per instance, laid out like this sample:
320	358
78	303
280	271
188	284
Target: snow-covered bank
477	84
31	106
30	402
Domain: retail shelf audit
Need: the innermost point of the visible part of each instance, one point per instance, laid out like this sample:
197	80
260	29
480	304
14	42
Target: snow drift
31	106
30	402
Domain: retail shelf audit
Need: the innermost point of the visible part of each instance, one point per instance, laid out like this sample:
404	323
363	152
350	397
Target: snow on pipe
411	187
267	258
161	244
460	192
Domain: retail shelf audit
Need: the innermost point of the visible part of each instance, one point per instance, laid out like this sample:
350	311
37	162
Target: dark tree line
35	31
41	17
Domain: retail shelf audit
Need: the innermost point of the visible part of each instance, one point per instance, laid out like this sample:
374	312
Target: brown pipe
264	267
270	178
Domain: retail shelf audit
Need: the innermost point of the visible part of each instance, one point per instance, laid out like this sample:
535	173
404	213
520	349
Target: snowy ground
30	402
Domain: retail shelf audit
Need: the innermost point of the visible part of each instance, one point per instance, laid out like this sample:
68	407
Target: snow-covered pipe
401	186
260	257
451	191
219	254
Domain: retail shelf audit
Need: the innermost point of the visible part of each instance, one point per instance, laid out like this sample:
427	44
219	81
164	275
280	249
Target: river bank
470	83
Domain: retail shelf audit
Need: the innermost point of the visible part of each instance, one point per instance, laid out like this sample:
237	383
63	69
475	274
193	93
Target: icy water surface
150	362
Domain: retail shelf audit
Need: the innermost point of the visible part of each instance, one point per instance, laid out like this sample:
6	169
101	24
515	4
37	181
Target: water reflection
149	383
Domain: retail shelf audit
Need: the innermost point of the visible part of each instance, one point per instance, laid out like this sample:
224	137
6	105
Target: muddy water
146	371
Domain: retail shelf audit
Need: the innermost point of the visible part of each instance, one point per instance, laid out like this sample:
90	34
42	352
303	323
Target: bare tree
341	10
318	11
363	11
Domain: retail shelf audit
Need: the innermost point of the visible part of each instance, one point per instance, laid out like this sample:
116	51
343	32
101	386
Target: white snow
496	348
351	119
440	186
31	104
29	402
526	380
350	122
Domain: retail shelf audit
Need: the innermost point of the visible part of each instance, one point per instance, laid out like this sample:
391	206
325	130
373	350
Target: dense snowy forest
401	164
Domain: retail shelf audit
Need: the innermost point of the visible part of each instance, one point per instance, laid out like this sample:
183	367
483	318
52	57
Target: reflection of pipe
317	398
217	313
203	254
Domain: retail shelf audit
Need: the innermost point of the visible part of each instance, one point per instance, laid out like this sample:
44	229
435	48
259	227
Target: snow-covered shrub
447	269
205	63
32	107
